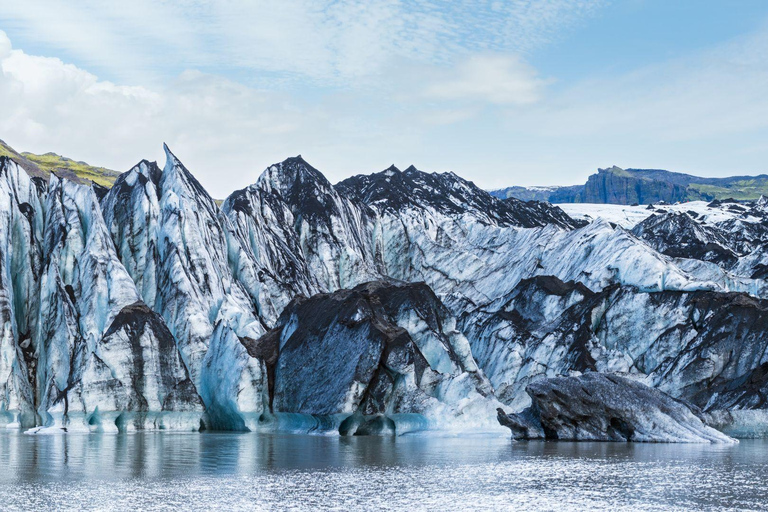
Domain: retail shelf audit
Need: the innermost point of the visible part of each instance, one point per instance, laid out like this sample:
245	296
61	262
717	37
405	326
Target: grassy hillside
44	165
744	190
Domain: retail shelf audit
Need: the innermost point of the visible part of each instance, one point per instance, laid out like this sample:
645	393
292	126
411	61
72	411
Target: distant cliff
617	186
628	186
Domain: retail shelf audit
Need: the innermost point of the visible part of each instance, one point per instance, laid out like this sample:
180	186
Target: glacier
81	350
387	303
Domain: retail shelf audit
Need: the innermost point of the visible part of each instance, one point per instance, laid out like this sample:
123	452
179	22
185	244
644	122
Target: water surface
255	471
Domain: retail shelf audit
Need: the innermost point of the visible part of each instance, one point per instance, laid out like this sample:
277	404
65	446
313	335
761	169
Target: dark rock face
616	186
602	407
705	347
680	236
525	425
736	241
369	354
134	333
609	186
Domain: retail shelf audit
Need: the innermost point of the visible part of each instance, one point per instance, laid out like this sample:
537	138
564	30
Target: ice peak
54	181
297	160
141	173
292	174
177	178
146	168
13	172
146	163
170	159
6	164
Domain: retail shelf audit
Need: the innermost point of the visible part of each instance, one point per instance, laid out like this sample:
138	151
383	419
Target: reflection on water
202	471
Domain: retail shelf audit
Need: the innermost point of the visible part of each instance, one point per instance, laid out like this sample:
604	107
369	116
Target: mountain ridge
615	185
612	185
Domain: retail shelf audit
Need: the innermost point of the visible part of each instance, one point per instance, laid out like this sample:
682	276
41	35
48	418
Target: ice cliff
390	302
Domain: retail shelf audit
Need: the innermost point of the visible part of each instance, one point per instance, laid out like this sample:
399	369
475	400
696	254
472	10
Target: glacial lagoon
191	471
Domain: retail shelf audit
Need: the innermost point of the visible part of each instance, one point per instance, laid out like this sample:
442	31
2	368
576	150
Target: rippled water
251	471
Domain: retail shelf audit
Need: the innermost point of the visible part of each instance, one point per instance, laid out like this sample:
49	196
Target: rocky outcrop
553	194
680	236
702	346
617	186
602	407
382	357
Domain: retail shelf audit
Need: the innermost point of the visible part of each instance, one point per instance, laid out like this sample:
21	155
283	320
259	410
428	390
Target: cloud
501	80
49	105
487	115
335	42
236	86
224	131
704	113
5	45
447	116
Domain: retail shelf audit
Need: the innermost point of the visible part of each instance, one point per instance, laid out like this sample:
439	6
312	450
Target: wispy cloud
47	104
333	42
357	86
713	95
496	79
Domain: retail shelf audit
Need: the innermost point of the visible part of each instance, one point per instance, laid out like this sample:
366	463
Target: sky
517	92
